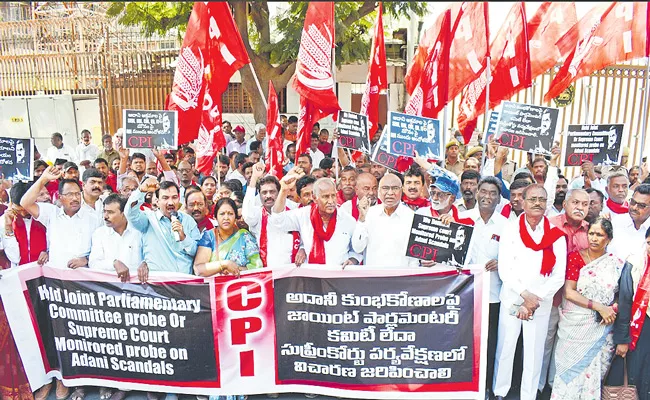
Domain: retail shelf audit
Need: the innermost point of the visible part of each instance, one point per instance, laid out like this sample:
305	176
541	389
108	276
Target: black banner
432	240
16	159
150	129
159	333
491	129
353	131
600	144
527	127
407	330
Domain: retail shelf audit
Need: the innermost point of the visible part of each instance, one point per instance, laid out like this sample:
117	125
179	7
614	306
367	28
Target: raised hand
51	174
150	185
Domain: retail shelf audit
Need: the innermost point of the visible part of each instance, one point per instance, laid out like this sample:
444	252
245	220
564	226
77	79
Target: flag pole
487	107
645	109
259	87
335	147
585	88
444	134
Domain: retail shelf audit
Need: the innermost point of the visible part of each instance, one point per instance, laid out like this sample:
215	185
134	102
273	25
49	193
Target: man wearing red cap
239	144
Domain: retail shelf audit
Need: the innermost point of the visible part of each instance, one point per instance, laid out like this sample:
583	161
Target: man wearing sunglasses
630	228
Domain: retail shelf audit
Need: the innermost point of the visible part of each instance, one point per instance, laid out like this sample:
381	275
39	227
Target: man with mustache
596	202
413	188
277	247
560	195
93	186
515	207
347	183
376	221
630	228
484	249
196	205
69	232
366	186
305	190
325	232
616	189
572	222
468	186
161	249
532	270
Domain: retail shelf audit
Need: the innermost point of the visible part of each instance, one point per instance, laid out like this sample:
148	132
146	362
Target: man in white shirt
86	151
69	228
630	228
93	187
275	245
383	230
561	188
468	186
239	144
484	249
238	172
530	279
365	186
316	155
326	233
616	190
116	245
260	136
59	150
588	178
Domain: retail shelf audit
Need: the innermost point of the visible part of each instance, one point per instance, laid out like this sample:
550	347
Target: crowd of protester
567	257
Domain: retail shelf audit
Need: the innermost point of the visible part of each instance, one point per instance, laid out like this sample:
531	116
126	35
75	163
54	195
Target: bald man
383	230
366	186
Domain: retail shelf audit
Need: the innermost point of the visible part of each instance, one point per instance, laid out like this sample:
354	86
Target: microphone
174	218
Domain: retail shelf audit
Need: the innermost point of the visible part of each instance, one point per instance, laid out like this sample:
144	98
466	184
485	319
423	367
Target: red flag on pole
313	80
274	153
377	81
469	46
618	35
431	93
211	53
510	71
551	21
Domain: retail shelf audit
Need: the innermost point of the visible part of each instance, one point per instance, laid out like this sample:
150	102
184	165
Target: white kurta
627	239
108	246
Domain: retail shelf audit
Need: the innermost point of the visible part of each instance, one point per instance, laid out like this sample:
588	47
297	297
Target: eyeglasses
184	170
71	195
635	203
439	194
389	188
533	200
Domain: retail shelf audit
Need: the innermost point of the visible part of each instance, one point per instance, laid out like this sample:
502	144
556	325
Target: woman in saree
226	249
209	188
585	347
631	335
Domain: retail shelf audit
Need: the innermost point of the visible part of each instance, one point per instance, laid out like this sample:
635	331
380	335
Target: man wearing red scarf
325	232
532	267
413	188
617	188
630	228
347	182
366	186
276	247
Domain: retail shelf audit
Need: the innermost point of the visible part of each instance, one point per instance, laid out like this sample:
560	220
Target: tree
275	61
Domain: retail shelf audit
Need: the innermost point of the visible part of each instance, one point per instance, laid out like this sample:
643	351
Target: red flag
618	35
212	52
510	68
274	153
313	80
414	71
469	46
431	94
377	81
551	21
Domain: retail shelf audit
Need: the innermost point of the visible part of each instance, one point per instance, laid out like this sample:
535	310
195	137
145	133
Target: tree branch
367	7
260	16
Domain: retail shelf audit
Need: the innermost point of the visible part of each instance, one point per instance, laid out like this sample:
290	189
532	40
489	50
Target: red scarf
546	245
264	239
454	213
317	253
417	203
618	208
340	199
506	210
355	208
30	248
205	225
640	306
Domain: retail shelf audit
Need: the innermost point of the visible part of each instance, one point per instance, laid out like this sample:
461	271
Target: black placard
600	144
353	131
491	128
16	159
374	331
125	330
527	127
430	239
150	129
